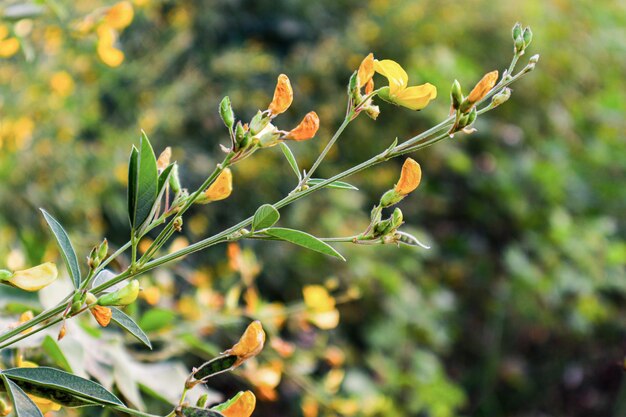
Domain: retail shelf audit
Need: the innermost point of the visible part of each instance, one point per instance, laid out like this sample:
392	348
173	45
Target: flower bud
175	180
178	224
527	36
517	31
306	129
122	297
283	96
250	344
90	299
396	218
384	227
103	249
390	198
353	88
221	188
410	177
366	70
32	279
456	95
501	97
164	159
62	332
101	314
519	44
534	59
471	117
239	132
226	113
77	302
479	91
92	260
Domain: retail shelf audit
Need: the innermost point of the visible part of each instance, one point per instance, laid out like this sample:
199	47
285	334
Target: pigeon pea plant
157	204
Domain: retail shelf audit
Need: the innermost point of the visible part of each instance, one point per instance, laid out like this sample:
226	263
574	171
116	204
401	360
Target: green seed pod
527	36
517	31
456	95
390	198
226	112
121	297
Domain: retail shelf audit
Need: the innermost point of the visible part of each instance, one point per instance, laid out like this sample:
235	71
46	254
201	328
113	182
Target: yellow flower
101	314
120	15
62	84
366	71
410	177
110	55
321	306
8	46
483	87
283	96
250	344
32	279
221	188
306	129
242	406
414	98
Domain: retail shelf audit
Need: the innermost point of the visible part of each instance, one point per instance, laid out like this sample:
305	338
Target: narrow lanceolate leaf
335	184
128	324
54	352
291	159
61	387
67	250
22	404
142	190
265	216
200	412
303	239
215	366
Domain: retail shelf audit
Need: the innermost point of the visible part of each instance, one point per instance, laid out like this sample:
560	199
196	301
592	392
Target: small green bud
501	97
245	141
456	95
121	297
517	31
390	198
93	261
258	123
103	250
471	117
175	180
4	274
463	121
353	87
201	403
178	224
383	227
77	301
396	218
527	36
90	299
519	44
226	112
534	59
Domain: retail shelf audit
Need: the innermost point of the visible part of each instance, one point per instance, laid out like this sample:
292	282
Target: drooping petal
410	177
120	15
396	75
415	97
283	96
306	129
242	406
250	344
33	279
366	70
101	314
221	188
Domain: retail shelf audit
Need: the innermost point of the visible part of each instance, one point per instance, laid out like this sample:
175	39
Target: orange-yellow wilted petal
101	314
396	75
415	97
483	87
120	15
306	129
410	177
366	70
242	406
221	188
164	158
250	344
316	298
283	96
110	56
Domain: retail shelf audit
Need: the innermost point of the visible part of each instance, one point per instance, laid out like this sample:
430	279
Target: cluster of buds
260	132
32	279
100	307
521	38
98	254
465	107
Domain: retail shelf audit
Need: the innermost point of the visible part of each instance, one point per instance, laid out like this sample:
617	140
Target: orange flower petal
250	344
221	188
283	96
483	87
410	177
243	406
120	15
306	129
102	315
366	70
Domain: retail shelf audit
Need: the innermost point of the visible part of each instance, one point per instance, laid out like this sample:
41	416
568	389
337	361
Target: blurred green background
519	307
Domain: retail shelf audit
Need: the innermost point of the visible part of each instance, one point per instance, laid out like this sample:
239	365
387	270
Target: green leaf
133	165
215	366
128	324
223	406
51	347
22	404
335	184
67	250
265	216
291	159
303	239
61	387
200	412
142	182
156	319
